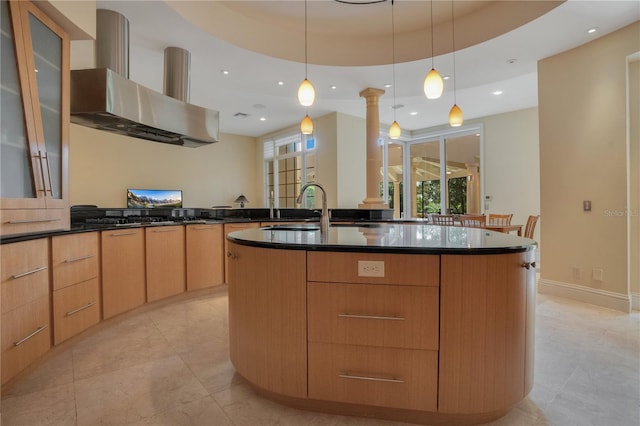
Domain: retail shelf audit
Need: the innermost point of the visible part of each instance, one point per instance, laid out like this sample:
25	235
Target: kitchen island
419	323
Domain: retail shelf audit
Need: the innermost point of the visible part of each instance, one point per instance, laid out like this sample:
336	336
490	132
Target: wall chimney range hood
105	98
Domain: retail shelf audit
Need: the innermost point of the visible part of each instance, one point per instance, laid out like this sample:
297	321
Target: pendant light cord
305	39
453	39
393	58
431	15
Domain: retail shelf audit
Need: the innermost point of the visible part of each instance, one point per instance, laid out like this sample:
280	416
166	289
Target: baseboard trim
635	301
606	299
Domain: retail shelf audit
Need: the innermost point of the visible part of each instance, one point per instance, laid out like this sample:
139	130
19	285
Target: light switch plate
370	268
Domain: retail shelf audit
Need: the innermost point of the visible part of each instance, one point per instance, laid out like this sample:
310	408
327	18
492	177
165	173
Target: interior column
374	160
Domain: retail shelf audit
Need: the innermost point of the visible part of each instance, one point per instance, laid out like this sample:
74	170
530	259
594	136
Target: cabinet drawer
25	336
377	315
75	308
74	258
23	221
405	269
384	377
25	273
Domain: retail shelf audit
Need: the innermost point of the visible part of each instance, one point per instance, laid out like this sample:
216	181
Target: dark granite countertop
411	238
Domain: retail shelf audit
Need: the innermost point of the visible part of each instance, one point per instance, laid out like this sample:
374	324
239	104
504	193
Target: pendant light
433	84
394	131
455	115
306	92
306	125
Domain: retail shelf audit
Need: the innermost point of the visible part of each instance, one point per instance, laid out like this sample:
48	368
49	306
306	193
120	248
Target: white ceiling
251	85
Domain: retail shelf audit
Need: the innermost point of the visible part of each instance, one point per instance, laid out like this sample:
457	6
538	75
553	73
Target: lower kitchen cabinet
123	271
75	261
232	227
26	333
205	261
165	261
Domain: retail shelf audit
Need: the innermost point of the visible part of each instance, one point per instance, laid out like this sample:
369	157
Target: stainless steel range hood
104	99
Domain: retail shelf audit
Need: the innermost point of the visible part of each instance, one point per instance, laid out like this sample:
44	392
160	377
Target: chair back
442	219
473	220
500	219
530	226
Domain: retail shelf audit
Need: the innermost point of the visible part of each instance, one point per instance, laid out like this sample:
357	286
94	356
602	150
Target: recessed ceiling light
446	77
413	113
263	119
497	92
592	30
387	85
512	61
281	83
333	87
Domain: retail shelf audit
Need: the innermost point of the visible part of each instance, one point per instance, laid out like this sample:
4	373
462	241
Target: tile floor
167	364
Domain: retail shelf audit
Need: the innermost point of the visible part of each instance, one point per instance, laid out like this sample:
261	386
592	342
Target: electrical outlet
370	268
576	273
598	274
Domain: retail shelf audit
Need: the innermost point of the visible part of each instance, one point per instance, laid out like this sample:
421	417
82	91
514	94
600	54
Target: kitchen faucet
324	217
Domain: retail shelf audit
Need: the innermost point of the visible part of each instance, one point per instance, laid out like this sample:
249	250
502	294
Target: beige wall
351	162
103	165
582	114
634	177
512	165
78	17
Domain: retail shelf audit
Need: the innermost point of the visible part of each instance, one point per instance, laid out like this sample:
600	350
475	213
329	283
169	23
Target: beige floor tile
169	365
51	406
132	394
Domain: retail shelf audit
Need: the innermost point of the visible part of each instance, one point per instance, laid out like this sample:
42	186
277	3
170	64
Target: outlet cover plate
370	268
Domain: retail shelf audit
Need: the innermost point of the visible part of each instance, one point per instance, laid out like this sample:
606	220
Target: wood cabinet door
35	167
232	227
483	339
123	271
205	262
267	318
165	261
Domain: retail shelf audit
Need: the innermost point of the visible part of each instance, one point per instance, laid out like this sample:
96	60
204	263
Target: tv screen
152	198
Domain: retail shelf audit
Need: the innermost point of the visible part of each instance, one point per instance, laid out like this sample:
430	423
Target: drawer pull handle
16	222
201	228
165	230
373	379
82	308
28	273
24	339
123	234
377	317
77	259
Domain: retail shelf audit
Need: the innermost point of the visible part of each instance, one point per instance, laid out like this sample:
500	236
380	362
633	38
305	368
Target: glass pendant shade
433	85
306	93
306	125
455	116
394	130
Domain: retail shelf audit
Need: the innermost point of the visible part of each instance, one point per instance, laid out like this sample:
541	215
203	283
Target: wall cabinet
232	227
205	260
165	260
34	124
123	270
26	334
76	284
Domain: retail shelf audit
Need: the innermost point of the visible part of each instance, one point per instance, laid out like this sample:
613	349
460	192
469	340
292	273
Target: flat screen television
153	198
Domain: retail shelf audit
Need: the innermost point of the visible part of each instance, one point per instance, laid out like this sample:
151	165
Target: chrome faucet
272	202
324	217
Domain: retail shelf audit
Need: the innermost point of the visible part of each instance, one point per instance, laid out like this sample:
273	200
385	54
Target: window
290	163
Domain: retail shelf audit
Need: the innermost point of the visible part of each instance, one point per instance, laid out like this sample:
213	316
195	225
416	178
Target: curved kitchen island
419	323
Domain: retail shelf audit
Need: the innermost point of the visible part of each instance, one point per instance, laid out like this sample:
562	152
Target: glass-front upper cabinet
34	128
